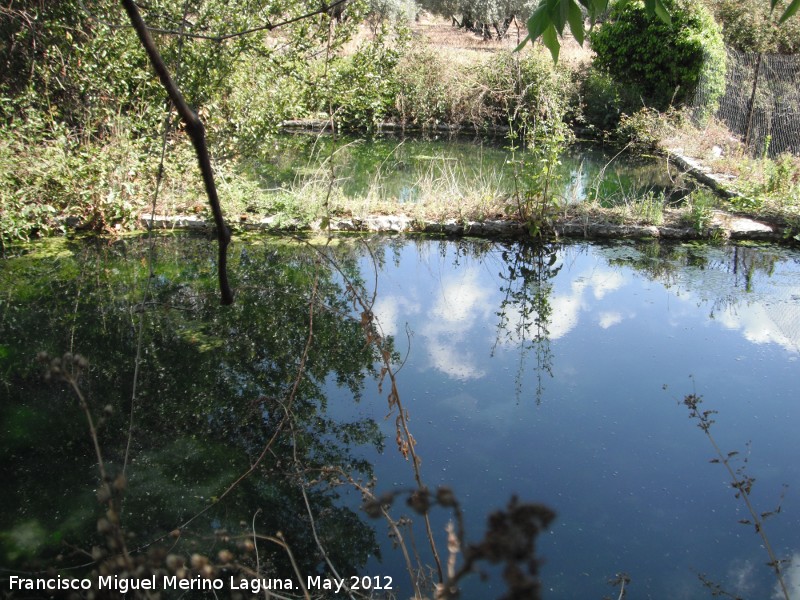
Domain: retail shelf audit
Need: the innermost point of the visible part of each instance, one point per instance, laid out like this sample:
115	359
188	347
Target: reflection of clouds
565	313
456	364
791	577
462	299
609	319
740	574
462	403
758	325
387	310
603	282
462	306
566	308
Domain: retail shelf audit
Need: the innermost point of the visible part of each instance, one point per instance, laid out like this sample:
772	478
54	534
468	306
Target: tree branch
196	131
220	37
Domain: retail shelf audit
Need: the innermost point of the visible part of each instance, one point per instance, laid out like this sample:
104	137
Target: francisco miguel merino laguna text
168	582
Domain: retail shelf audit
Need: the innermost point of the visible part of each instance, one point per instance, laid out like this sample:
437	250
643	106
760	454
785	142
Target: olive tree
482	15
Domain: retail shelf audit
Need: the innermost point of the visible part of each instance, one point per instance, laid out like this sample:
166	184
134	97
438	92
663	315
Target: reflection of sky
759	327
458	309
792	578
612	452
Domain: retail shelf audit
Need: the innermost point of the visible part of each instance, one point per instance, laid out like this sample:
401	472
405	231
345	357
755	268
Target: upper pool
405	169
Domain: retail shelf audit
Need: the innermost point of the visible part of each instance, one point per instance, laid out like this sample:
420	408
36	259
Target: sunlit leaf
595	8
538	22
561	14
550	40
662	13
575	18
522	43
790	10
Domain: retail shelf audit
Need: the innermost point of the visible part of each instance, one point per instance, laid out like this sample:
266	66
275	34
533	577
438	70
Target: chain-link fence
761	104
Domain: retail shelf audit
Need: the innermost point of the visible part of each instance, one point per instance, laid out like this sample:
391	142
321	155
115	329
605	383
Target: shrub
49	179
601	100
749	26
425	88
527	90
664	63
644	129
360	90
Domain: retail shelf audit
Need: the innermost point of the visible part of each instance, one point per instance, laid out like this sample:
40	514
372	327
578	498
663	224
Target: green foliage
751	26
663	62
99	185
770	188
360	90
73	69
551	17
644	129
701	203
535	200
428	93
601	100
540	119
519	88
264	93
527	90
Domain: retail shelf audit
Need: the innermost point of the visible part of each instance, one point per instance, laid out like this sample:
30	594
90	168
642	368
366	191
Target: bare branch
325	8
196	131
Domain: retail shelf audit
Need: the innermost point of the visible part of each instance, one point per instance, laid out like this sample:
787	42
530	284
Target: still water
554	373
403	169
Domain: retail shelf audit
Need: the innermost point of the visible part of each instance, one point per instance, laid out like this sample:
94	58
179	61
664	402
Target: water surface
403	169
536	371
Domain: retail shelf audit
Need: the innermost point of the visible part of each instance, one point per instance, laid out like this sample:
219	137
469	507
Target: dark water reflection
213	391
535	371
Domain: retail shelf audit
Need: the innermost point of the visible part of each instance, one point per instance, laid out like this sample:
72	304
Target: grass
765	188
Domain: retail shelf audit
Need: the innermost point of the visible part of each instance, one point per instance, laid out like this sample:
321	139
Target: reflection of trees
718	274
214	387
525	312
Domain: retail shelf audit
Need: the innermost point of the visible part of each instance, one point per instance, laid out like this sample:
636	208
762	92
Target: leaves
575	19
661	12
550	40
551	16
790	10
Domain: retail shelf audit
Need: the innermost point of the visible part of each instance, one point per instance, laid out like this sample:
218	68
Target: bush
644	129
525	90
427	91
749	26
360	90
601	100
663	63
49	179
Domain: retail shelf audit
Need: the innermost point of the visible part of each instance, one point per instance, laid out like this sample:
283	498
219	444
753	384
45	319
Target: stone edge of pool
722	226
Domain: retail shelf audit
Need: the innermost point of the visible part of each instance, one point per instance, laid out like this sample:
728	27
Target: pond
554	373
405	169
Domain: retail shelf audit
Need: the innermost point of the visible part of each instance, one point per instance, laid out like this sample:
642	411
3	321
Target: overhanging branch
196	131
